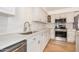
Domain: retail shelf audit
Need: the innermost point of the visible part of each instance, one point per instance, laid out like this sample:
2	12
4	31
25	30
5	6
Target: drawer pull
34	39
38	42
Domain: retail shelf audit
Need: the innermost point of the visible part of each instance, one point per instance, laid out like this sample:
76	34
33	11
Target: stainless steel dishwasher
18	47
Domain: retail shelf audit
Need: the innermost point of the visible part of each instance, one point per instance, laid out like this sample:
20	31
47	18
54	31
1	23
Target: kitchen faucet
26	25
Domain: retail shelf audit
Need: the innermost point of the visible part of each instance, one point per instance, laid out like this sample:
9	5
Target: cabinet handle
34	39
38	42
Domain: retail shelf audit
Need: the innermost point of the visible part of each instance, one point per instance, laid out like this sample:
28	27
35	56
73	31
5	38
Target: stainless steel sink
27	33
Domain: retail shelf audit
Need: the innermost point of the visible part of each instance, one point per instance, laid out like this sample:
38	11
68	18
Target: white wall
3	24
15	23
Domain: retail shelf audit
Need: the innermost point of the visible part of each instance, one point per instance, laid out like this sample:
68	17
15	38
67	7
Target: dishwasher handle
21	48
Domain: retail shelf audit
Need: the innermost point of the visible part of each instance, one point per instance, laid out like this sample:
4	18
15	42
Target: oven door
62	36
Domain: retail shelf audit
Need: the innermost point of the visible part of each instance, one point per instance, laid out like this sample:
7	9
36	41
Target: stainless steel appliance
60	23
18	47
60	29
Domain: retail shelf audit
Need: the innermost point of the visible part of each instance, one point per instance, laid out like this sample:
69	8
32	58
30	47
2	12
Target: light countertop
13	38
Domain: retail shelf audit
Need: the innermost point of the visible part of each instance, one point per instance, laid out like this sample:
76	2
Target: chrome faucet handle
25	26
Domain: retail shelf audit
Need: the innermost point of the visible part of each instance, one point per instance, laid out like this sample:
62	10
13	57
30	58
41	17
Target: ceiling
58	10
54	8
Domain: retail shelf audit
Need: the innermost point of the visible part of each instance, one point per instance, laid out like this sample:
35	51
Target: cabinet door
44	39
71	36
69	26
28	14
70	18
77	41
48	35
36	13
31	44
43	43
52	33
40	41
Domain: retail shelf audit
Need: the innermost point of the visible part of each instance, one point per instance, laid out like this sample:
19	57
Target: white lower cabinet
38	42
31	42
42	41
77	41
34	43
45	37
71	36
52	34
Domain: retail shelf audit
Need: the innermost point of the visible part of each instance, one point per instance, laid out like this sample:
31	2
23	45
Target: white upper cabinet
7	10
43	15
28	14
32	14
36	14
70	18
39	14
24	14
7	18
15	17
